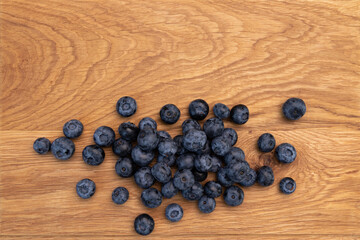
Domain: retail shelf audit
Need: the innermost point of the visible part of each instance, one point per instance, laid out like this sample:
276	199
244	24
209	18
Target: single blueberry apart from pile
183	179
223	179
104	136
235	154
203	162
143	177
170	113
85	188
287	185
42	145
194	193
174	212
237	171
163	135
73	128
190	124
265	176
233	196
294	108
206	204
198	109
93	155
124	167
121	147
128	131
63	148
147	122
126	106
144	224
169	160
266	142
151	198
168	189
161	172
185	161
230	135
199	176
148	139
285	153
140	157
220	146
120	195
213	189
167	147
213	127
221	110
239	114
194	140
249	179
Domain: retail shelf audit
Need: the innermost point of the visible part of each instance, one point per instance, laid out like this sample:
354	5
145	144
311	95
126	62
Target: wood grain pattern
73	59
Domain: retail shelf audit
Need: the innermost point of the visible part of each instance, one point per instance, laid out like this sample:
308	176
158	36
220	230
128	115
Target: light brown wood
74	59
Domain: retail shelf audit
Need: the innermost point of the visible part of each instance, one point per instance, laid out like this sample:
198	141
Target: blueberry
233	196
169	160
128	131
163	135
93	155
144	178
294	108
140	157
265	176
167	147
125	167
194	140
183	179
213	189
249	179
126	106
63	148
147	122
199	176
235	154
285	153
239	114
174	212
220	146
42	145
287	185
190	124
121	147
151	198
180	149
198	109
147	139
223	179
120	195
161	172
144	224
206	149
216	164
221	110
73	128
85	188
193	193
206	204
213	127
230	135
203	163
237	171
185	161
168	189
170	113
266	142
104	136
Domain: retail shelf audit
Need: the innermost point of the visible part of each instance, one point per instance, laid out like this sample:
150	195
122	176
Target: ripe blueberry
144	224
170	113
266	142
239	114
265	176
174	212
93	155
85	188
126	106
285	153
287	185
120	195
104	136
198	109
294	108
221	110
42	145
63	148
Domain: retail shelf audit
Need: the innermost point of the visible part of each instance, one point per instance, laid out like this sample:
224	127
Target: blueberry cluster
193	154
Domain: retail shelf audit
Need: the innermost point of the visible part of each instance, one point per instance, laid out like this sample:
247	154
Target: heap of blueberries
194	153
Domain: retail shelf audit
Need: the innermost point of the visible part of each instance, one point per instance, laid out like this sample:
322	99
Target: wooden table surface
74	59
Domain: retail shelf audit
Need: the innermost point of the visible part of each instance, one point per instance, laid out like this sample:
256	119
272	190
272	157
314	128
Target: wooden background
74	59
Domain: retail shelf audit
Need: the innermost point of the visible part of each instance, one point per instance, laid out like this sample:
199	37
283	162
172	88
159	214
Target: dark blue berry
85	188
194	140
216	164
151	198
230	135
206	204
144	224
199	176
249	179
169	160
235	154
266	142
147	139
265	176
147	122
144	178
198	109
140	157
213	189
163	135
120	195
128	131
213	127
223	179
220	146
104	136
168	189
63	148
121	147
167	147
125	167
170	113
287	185
73	128
221	110
185	161
233	196
183	179
206	149
190	124
237	171
294	108
285	153
239	114
126	106
194	193
93	155
42	145
203	162
174	212
161	172
180	149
